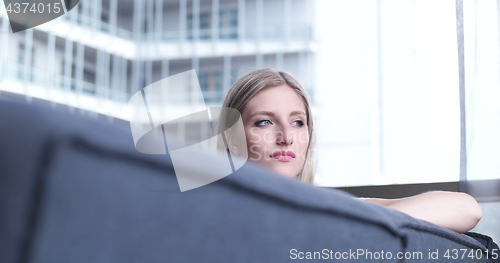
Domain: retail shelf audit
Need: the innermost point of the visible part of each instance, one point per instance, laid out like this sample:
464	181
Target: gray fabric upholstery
76	190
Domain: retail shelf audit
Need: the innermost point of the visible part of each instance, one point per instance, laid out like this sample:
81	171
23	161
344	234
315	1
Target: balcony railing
271	32
53	81
49	81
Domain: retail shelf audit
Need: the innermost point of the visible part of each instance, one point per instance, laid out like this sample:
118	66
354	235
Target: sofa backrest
76	190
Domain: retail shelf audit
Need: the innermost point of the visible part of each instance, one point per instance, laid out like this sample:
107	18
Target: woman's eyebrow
293	113
272	114
267	113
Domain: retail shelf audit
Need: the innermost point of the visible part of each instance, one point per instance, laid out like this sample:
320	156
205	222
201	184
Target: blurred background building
382	75
109	49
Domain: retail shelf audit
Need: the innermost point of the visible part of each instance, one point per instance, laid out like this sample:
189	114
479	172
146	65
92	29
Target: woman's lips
283	156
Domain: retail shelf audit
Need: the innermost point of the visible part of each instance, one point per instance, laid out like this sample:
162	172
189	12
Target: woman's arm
456	211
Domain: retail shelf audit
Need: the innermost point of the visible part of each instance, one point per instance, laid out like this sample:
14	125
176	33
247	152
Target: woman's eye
263	123
298	123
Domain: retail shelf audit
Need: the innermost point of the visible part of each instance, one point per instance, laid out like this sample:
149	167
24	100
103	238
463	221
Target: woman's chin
283	171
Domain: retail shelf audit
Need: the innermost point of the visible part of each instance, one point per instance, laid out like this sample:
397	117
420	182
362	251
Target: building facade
103	51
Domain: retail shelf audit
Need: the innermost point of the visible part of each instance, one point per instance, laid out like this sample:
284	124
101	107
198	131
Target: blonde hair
244	89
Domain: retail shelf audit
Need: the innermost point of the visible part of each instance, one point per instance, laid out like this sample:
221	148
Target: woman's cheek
304	136
254	151
269	137
254	135
303	154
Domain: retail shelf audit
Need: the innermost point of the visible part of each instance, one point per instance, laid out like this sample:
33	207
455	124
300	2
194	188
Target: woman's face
276	130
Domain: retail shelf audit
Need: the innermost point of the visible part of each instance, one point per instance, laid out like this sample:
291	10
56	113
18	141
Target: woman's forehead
276	99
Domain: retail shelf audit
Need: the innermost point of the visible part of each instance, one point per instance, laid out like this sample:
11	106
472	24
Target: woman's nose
284	137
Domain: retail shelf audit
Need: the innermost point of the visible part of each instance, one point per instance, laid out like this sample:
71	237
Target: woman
280	135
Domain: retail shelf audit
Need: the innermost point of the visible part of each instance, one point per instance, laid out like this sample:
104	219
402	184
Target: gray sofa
76	190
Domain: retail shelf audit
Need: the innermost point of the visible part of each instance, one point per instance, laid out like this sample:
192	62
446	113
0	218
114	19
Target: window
20	57
482	92
20	60
219	80
202	78
88	79
212	85
105	22
204	32
228	25
204	26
